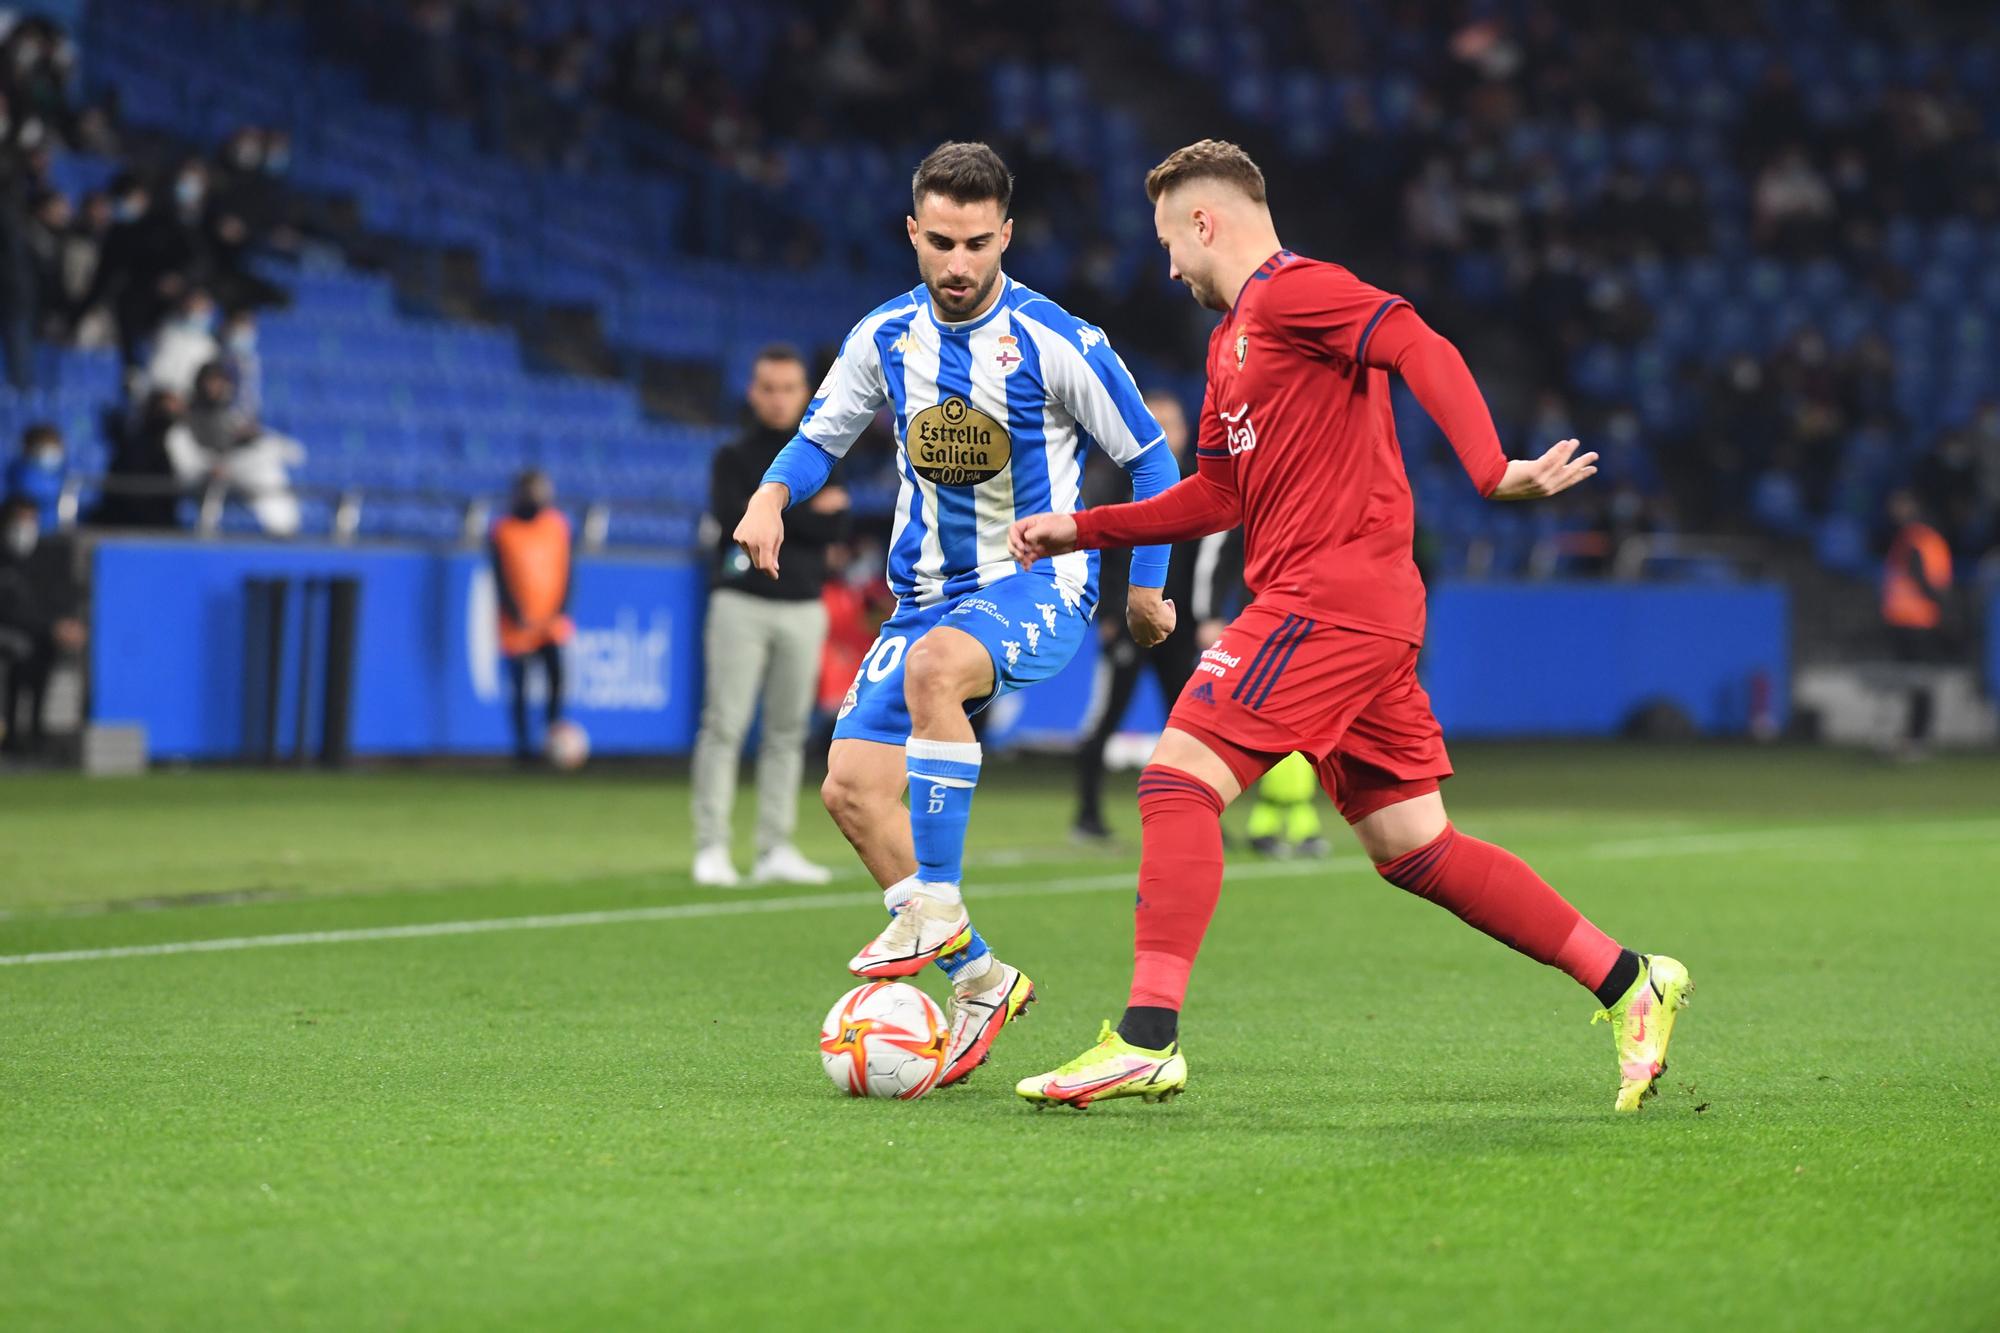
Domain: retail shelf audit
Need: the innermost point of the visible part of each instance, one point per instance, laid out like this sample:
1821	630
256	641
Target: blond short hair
1211	159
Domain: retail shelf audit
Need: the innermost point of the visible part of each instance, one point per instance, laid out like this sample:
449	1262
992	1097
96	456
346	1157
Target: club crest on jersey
1242	347
956	444
1009	354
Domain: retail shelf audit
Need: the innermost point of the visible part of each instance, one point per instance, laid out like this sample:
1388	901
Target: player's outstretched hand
762	530
1150	616
1551	474
1039	536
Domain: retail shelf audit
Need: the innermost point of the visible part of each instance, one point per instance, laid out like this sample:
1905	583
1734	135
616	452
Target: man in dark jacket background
40	619
1197	582
763	639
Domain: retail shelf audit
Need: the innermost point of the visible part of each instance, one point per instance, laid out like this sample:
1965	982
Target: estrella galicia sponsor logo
956	444
980	604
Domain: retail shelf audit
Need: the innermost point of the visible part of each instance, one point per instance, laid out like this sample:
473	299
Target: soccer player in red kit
1297	445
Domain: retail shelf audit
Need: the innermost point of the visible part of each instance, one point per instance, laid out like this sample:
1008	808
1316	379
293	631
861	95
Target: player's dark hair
965	173
779	352
1210	159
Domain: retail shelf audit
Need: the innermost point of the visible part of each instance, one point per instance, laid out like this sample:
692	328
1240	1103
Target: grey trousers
755	647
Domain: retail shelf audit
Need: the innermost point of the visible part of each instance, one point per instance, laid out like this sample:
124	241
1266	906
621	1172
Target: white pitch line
1621	849
620	916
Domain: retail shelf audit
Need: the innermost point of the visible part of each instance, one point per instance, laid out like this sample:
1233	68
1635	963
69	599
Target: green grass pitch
1392	1121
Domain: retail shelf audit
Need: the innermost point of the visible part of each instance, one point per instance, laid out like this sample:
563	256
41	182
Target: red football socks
1180	878
1491	889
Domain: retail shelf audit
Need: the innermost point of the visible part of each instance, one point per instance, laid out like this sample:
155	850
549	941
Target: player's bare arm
1551	474
762	529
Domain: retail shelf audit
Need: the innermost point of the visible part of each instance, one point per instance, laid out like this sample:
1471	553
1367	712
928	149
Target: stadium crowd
1463	137
155	262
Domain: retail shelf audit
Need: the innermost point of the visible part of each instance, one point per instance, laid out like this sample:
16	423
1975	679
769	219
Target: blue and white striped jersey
992	417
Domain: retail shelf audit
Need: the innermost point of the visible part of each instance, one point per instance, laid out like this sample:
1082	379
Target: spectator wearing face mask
217	439
36	473
141	267
530	550
47	232
239	353
82	251
185	344
40	623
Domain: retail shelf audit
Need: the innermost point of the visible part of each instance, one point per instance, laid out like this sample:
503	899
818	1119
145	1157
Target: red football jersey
1298	445
1305	432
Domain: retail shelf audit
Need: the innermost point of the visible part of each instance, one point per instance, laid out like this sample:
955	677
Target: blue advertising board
167	647
1993	646
1534	659
168	650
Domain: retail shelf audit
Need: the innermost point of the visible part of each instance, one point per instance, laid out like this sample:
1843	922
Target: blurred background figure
142	488
1916	607
1284	817
530	548
1121	661
216	439
763	640
36	474
40	619
184	344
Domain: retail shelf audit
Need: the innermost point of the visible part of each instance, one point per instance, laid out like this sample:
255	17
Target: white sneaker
977	1017
785	865
713	869
922	931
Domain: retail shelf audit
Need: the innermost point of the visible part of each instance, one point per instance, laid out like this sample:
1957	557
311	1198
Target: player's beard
1204	292
954	308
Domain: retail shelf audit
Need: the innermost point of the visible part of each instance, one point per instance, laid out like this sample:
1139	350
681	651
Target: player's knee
942	668
1402	826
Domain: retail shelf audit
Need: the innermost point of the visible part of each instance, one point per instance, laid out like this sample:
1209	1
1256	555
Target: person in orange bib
1916	583
530	549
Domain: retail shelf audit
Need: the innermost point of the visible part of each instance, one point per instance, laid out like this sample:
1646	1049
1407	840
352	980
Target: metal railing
1634	558
348	504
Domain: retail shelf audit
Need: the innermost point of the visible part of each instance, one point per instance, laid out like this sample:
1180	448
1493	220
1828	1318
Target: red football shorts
1276	682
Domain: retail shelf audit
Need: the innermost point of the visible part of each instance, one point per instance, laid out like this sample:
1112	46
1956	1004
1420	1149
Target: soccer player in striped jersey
1298	447
996	393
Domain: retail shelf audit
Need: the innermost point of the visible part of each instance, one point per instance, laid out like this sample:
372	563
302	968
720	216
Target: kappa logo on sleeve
1089	337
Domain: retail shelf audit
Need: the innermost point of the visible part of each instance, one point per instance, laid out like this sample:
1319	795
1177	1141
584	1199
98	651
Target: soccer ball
884	1039
569	745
